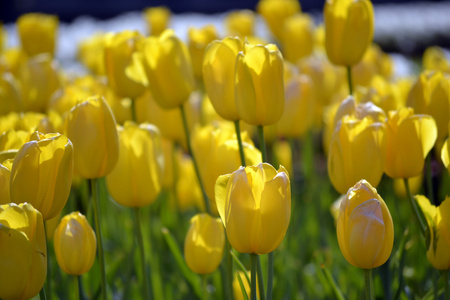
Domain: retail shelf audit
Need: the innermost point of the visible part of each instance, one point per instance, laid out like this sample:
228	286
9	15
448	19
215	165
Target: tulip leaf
241	266
193	280
336	291
241	284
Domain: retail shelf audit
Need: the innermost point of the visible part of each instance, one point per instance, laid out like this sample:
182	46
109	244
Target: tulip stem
142	252
262	142
237	127
42	295
270	265
197	172
229	269
446	284
349	78
81	295
95	202
414	207
368	284
253	261
260	278
204	286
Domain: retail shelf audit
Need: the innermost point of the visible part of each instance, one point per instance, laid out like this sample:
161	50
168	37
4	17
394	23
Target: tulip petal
221	192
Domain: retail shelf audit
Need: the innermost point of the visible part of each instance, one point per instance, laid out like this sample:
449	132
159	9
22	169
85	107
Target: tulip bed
224	166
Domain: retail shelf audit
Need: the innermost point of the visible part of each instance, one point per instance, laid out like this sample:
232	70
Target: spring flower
198	39
37	33
157	19
275	12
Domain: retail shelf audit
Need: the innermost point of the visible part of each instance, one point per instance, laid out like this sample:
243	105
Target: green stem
270	266
253	261
368	284
349	78
205	290
446	284
260	278
81	295
42	295
95	201
429	179
197	172
142	252
49	276
262	142
229	270
237	127
414	207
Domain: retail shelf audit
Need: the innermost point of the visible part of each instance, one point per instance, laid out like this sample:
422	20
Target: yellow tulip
383	93
37	33
136	179
162	64
23	254
91	53
50	226
198	39
365	230
240	23
3	37
438	236
119	48
219	69
357	148
445	153
5	175
13	139
254	204
214	142
298	37
349	26
237	291
283	155
204	243
75	244
434	58
259	84
10	94
188	192
157	19
44	166
275	12
91	127
409	139
374	63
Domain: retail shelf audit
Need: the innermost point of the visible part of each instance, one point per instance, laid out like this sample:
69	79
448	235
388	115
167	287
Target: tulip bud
259	84
188	192
119	48
75	244
136	179
365	229
157	19
204	243
298	37
240	23
198	39
219	69
5	175
435	58
409	139
10	94
349	28
162	64
23	251
254	204
91	127
91	53
37	33
438	235
44	166
275	12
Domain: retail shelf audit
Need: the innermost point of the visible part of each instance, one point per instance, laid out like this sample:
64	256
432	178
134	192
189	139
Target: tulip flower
5	175
259	85
162	64
434	58
445	153
297	37
240	23
37	33
204	243
135	181
91	53
198	39
254	204
438	239
119	48
23	254
10	94
188	193
275	12
365	229
75	244
91	127
409	139
44	166
157	19
349	26
219	69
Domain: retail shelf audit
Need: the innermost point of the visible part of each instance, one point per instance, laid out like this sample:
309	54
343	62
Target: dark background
67	10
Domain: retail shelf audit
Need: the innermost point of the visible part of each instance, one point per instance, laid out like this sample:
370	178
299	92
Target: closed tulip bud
219	69
357	149
349	26
409	139
259	84
204	243
445	153
91	127
240	23
254	204
10	94
44	166
438	232
198	39
157	19
374	63
119	48
298	37
37	33
282	151
214	142
188	192
23	254
434	58
136	179
162	63
91	53
75	244
365	230
275	12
